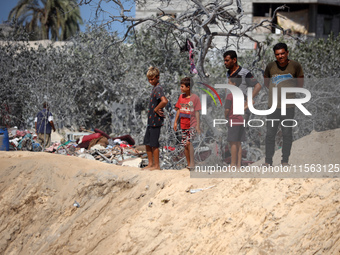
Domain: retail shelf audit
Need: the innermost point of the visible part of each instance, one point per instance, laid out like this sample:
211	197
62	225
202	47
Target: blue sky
87	13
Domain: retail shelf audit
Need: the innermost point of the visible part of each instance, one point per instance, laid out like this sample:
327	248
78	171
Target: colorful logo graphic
209	93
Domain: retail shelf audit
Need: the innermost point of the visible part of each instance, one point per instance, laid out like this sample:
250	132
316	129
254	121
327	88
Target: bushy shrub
86	79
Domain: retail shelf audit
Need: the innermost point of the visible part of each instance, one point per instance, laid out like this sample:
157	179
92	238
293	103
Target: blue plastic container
4	140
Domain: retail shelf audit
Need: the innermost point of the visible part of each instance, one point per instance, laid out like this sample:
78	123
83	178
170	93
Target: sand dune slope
124	210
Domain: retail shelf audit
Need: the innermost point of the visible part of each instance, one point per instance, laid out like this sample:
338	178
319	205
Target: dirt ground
124	210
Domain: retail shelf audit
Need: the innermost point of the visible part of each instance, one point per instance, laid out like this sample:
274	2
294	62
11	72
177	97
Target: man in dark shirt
248	80
44	125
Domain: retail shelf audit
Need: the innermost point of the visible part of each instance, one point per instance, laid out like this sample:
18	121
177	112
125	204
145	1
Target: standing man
44	125
248	80
281	73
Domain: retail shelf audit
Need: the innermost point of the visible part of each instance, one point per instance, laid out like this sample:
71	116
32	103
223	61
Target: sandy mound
316	148
126	210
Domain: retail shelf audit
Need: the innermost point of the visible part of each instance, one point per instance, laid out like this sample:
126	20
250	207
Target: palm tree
59	19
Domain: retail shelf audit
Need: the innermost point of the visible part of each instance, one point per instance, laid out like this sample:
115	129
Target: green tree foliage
55	19
320	57
85	77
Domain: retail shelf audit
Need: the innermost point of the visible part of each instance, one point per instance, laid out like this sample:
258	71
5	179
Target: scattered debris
161	185
165	201
76	204
188	189
140	196
134	162
87	156
198	190
96	146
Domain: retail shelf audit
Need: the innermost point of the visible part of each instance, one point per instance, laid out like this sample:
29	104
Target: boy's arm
176	119
162	104
197	115
226	113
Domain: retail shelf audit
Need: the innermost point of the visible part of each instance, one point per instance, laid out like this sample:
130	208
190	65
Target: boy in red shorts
188	107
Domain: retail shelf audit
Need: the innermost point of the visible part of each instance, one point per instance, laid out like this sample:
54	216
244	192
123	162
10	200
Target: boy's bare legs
239	156
234	153
153	158
191	163
150	157
189	154
155	153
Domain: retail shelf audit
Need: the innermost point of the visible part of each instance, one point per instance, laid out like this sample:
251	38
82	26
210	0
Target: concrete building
318	17
307	18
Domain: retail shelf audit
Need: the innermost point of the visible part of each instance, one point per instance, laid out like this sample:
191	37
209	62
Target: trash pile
24	140
121	150
100	146
96	146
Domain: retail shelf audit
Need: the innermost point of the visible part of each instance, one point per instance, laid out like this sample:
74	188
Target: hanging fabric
190	48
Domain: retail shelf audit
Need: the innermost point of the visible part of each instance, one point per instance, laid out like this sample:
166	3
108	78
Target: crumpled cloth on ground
87	156
21	133
97	147
53	147
101	141
126	138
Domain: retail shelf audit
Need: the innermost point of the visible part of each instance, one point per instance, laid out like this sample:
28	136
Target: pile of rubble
119	154
23	140
95	145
